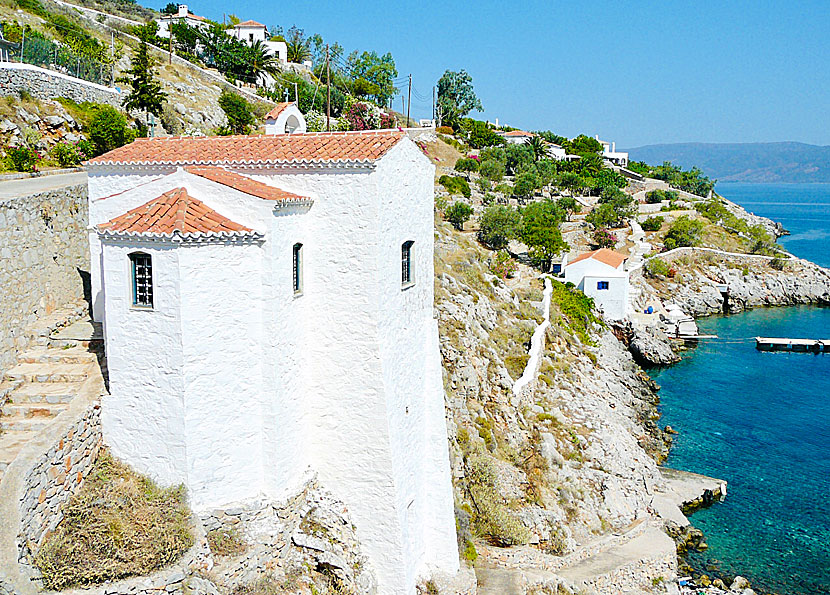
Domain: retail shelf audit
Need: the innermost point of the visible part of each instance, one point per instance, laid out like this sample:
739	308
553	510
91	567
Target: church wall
411	363
143	417
221	315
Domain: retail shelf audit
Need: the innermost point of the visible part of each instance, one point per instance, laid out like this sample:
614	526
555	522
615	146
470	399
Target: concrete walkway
26	186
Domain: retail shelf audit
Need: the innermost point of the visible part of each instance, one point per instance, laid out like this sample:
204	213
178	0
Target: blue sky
634	72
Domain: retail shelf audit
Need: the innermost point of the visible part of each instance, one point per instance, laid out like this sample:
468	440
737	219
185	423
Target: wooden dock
801	345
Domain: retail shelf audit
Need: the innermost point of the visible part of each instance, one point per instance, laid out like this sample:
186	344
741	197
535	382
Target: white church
268	313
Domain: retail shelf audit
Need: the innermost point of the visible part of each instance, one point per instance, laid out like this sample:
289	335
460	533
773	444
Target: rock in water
652	346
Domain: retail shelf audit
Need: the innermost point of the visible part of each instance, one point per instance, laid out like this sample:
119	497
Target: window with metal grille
406	263
602	284
297	270
142	265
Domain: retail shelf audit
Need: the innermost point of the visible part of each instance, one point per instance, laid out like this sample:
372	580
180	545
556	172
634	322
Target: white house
183	15
610	153
250	32
285	118
556	152
516	137
601	276
268	314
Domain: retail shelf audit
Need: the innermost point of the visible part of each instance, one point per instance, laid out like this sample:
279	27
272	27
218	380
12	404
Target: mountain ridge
782	161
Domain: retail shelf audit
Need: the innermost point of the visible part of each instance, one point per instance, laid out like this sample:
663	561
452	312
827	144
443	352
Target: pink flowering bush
22	158
71	154
364	116
604	238
503	266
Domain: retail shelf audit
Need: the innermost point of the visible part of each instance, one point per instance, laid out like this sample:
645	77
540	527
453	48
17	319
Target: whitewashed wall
143	417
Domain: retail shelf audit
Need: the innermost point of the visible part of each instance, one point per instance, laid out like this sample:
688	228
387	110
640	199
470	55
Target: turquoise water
762	420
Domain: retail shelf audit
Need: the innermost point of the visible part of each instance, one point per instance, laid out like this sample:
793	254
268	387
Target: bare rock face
652	347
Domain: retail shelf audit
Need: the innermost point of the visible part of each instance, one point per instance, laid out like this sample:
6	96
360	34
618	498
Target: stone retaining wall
48	84
56	476
44	262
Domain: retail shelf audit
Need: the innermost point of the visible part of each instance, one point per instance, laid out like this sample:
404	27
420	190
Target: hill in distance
744	162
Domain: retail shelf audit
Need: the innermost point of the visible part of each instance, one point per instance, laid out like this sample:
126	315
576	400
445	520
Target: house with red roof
267	305
601	275
285	118
182	15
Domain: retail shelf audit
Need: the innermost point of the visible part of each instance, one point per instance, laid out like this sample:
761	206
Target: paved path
23	187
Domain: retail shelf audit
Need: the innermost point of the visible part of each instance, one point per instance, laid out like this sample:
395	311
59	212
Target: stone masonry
57	475
48	84
44	257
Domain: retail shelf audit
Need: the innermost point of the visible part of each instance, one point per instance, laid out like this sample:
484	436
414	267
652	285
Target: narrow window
602	284
142	266
297	269
406	263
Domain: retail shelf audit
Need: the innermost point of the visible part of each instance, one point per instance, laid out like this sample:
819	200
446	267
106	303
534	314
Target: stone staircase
41	386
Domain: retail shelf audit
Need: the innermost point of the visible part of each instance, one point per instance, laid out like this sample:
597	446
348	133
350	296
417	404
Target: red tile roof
274	113
283	148
603	255
518	133
173	211
242	183
249	24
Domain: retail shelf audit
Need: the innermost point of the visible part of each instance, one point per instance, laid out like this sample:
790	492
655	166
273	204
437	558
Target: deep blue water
762	420
804	209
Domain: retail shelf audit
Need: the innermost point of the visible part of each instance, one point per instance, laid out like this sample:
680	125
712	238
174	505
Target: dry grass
226	542
119	524
442	154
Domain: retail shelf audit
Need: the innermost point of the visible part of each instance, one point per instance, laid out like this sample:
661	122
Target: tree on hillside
465	166
498	225
379	71
185	38
538	146
458	214
170	8
568	205
298	48
261	61
685	231
456	97
585	145
146	94
540	232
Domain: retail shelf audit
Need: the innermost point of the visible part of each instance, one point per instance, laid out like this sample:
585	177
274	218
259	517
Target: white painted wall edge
535	344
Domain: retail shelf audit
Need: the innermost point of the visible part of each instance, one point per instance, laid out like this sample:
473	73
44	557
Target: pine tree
146	94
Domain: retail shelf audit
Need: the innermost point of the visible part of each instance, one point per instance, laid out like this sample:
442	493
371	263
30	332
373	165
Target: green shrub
70	154
577	309
238	112
108	129
653	223
470	554
656	267
502	265
777	263
684	231
22	159
656	196
491	516
515	365
466	165
492	169
458	214
455	185
118	524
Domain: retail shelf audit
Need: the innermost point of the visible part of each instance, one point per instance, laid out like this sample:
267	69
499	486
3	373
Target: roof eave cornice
178	237
258	165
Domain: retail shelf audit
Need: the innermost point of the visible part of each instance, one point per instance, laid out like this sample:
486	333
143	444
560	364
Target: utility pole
296	95
403	109
409	101
22	43
328	91
169	44
434	116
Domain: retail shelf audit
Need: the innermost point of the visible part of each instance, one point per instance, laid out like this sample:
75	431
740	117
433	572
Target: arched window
297	268
142	274
406	264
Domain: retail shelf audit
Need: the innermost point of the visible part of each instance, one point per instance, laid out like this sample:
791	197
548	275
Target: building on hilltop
601	275
268	314
183	15
515	137
610	153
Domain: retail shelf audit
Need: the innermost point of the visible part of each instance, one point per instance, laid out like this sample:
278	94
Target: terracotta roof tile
603	255
249	24
280	107
242	183
173	211
518	133
288	148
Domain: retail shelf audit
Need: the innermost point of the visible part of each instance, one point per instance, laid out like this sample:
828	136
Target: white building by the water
601	275
268	314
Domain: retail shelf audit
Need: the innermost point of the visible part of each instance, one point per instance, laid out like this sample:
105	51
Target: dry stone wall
56	476
44	259
48	84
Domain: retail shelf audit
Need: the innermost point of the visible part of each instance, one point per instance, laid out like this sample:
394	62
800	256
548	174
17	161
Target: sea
761	420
